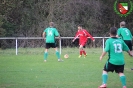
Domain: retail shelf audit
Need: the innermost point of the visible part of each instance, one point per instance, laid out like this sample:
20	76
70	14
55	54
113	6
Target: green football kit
50	34
115	46
124	33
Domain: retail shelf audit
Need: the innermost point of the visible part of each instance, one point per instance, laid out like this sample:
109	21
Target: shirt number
50	33
127	33
118	48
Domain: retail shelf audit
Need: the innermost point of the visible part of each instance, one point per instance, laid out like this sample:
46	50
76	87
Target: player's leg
83	50
58	54
129	44
104	79
45	55
80	51
120	70
46	51
123	79
56	51
130	47
107	67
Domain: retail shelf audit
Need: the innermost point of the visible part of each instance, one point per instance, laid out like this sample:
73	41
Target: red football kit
83	34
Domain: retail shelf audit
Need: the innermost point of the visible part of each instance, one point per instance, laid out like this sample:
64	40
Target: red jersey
83	34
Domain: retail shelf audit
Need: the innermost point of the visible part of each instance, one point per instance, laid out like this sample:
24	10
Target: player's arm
105	50
89	35
130	53
59	37
102	55
57	34
43	35
76	36
118	33
117	36
131	35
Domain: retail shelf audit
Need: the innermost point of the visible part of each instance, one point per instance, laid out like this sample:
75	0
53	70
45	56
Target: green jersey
50	33
124	33
114	46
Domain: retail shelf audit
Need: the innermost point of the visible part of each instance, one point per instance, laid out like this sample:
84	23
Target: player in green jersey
125	34
49	35
114	46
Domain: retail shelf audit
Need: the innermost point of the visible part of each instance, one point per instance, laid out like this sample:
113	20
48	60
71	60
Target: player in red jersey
82	34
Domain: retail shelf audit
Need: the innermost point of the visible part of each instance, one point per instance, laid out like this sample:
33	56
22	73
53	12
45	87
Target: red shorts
82	43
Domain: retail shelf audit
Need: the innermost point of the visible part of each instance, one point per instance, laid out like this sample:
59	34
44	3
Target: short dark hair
113	31
80	25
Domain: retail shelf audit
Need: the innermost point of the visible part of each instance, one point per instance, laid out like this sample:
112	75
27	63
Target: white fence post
103	43
16	46
60	45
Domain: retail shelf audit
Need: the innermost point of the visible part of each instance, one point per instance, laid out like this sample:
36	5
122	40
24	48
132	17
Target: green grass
27	69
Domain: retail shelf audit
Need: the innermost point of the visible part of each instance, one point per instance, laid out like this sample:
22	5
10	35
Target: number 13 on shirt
118	48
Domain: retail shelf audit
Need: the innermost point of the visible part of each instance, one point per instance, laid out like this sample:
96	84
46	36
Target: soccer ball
66	56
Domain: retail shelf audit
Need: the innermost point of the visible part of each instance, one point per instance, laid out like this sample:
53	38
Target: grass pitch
27	69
